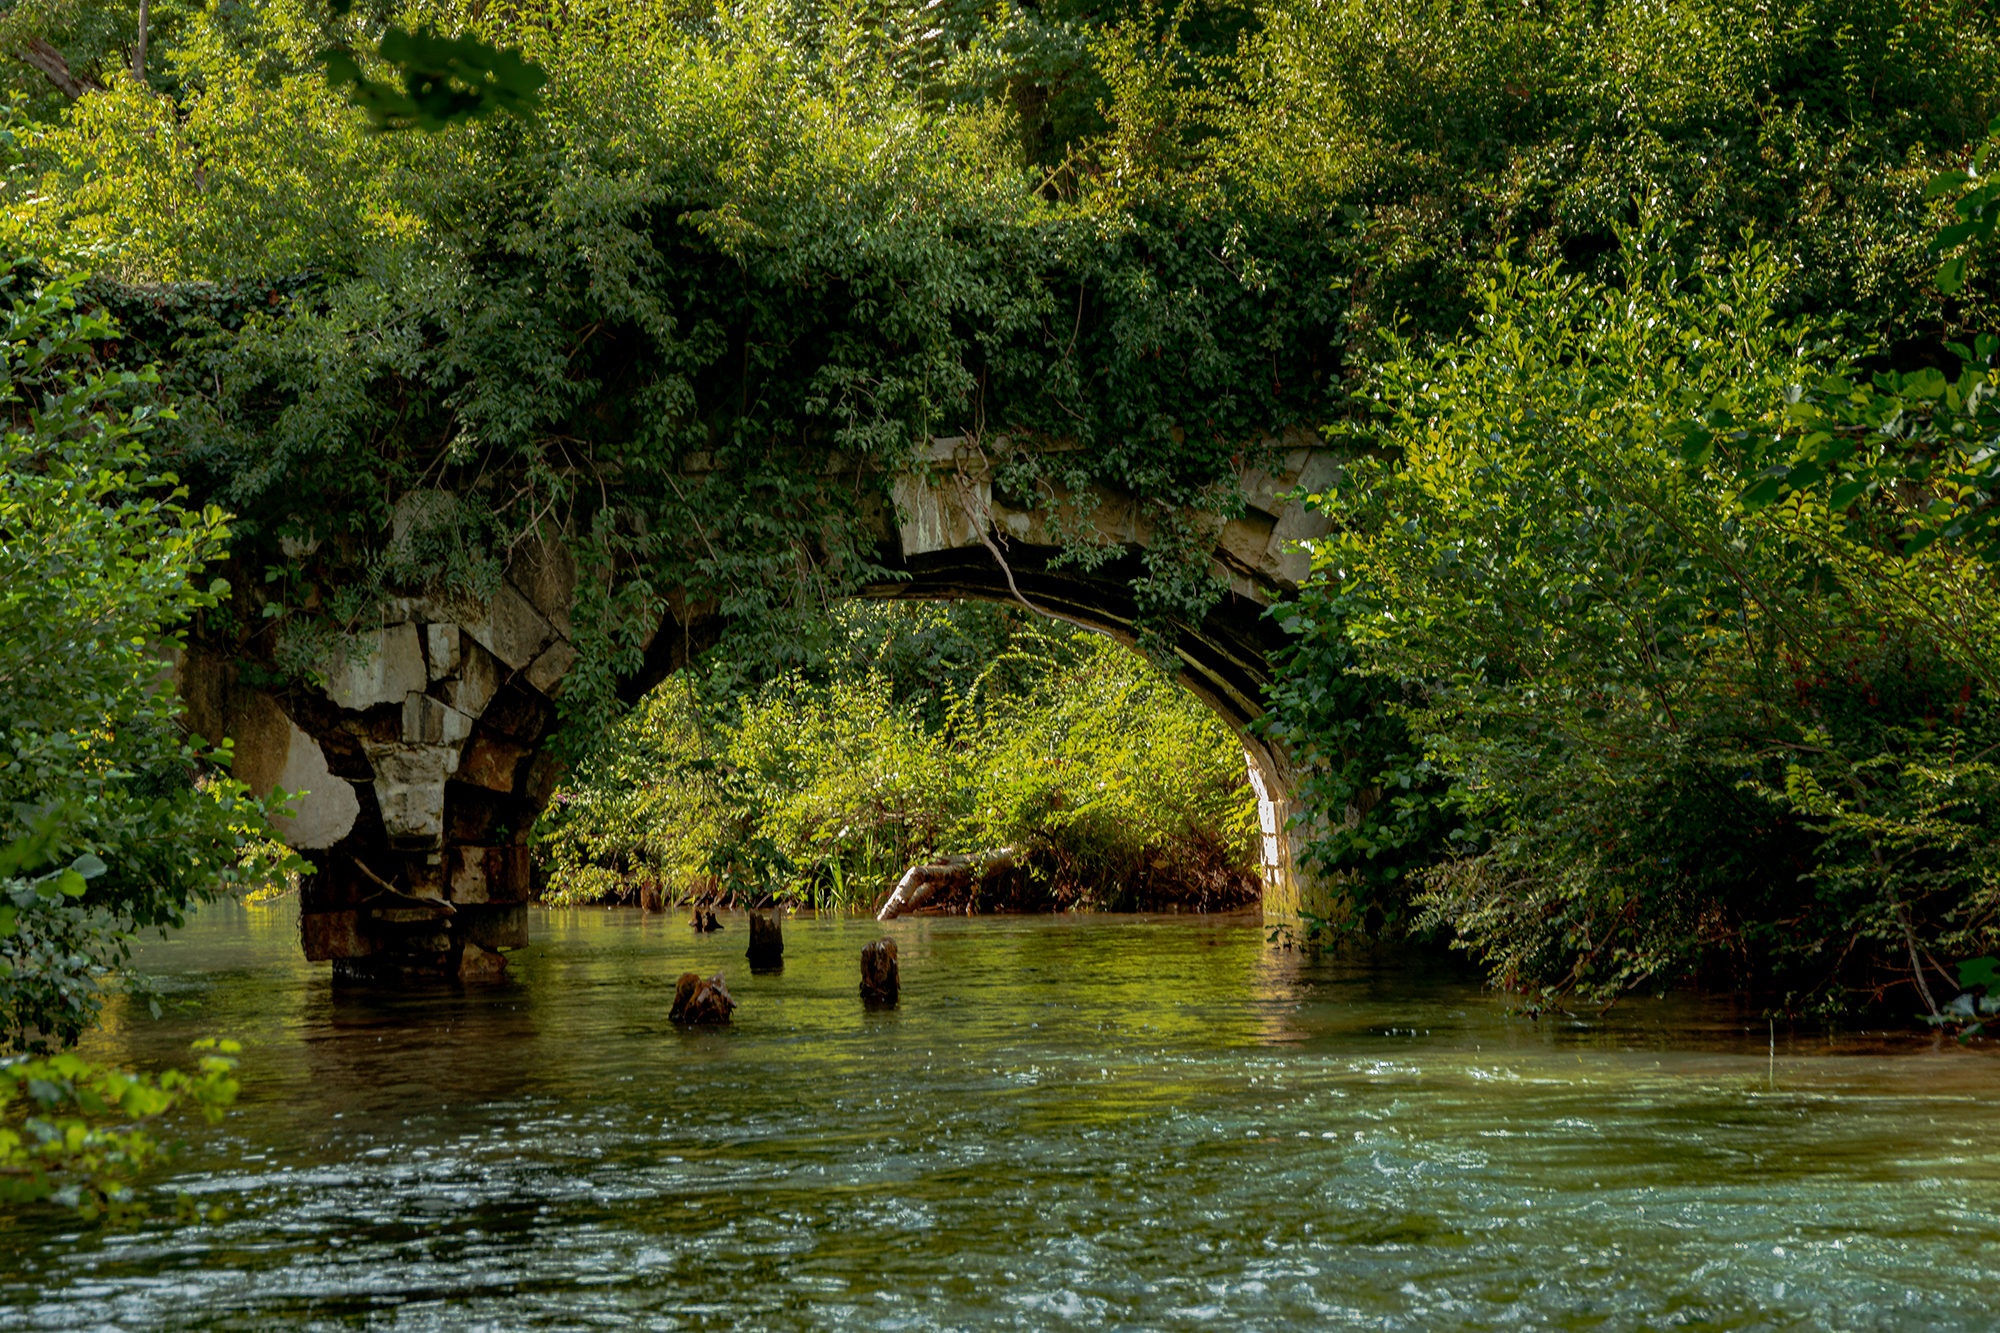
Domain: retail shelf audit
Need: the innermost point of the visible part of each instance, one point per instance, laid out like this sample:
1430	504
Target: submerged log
922	883
767	941
879	982
700	999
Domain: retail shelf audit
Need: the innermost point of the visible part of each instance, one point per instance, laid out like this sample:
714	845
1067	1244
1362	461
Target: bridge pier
423	750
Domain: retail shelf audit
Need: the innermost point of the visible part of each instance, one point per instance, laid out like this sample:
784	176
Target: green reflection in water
1111	1122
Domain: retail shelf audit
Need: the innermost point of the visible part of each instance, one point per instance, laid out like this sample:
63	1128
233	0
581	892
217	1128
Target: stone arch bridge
423	755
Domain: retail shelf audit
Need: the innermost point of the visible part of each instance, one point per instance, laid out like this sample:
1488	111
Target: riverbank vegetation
1653	647
942	730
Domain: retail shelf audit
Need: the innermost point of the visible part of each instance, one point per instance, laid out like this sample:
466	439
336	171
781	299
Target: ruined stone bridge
423	755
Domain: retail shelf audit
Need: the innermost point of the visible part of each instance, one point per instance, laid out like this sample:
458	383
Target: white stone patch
387	665
441	645
328	806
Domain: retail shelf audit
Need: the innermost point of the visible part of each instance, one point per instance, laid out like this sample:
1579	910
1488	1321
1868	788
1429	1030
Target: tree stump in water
701	1000
650	898
920	884
767	941
704	920
879	982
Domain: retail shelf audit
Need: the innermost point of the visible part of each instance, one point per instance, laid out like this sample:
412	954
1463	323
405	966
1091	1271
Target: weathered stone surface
938	517
880	983
441	646
510	628
1243	541
1269	822
392	668
546	672
767	941
479	678
498	927
409	790
474	815
478	965
488	874
327	935
543	775
701	1000
417	610
492	763
409	916
271	751
545	572
428	722
522	713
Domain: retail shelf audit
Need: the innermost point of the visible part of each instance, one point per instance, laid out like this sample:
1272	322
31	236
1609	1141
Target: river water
1068	1123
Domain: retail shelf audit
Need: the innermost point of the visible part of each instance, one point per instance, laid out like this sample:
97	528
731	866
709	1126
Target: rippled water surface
1077	1122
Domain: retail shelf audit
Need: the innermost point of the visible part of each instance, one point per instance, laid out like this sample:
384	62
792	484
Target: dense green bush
1115	787
111	818
1702	737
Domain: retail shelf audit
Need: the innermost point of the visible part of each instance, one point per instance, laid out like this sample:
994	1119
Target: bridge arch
424	750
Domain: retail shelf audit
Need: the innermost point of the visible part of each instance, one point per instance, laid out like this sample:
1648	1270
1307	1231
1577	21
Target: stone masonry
421	752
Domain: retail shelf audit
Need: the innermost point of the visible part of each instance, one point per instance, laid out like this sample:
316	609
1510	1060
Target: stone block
409	789
480	965
329	935
496	927
510	628
546	672
417	610
383	666
545	572
543	775
271	751
491	763
478	680
517	711
1244	541
475	815
408	916
428	722
940	517
488	874
441	646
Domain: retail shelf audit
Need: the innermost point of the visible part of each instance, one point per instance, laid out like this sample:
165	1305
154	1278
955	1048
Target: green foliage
1111	783
1375	802
99	570
1704	738
1975	202
445	80
83	1136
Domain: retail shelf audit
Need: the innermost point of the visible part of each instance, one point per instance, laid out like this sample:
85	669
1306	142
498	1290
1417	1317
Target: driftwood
879	982
767	941
701	1000
920	884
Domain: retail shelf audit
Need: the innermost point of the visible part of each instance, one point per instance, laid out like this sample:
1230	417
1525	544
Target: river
1068	1123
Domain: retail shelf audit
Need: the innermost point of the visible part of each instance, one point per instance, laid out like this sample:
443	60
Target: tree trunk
139	48
50	64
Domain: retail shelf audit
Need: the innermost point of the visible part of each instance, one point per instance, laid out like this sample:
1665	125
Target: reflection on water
1110	1122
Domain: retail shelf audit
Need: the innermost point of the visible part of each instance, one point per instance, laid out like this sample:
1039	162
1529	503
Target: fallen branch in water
921	883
